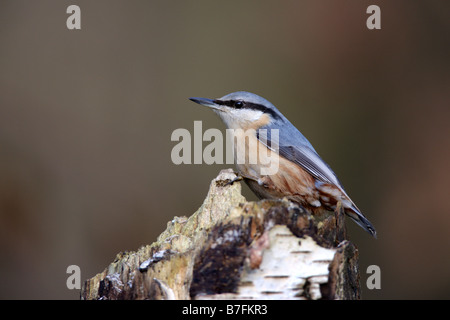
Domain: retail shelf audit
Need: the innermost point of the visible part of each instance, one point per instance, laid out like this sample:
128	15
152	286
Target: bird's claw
237	178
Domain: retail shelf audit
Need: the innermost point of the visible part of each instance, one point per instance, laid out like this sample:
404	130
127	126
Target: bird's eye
238	104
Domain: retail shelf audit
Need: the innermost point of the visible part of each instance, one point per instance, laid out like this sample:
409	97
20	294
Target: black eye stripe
228	103
247	105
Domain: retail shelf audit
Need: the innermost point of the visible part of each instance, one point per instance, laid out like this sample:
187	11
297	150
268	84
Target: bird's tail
345	204
355	214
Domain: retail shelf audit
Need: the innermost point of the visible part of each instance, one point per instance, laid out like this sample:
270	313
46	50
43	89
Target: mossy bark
234	249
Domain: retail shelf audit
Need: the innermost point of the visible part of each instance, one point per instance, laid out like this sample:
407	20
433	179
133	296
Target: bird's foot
240	177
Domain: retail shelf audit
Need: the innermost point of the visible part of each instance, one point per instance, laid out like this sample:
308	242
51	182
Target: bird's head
242	110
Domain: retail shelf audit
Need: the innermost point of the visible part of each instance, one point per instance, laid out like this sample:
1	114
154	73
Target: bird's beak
206	102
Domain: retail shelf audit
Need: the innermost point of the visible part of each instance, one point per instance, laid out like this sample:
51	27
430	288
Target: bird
301	176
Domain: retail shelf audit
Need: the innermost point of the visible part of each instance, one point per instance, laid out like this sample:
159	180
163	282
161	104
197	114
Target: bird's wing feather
296	148
293	146
311	162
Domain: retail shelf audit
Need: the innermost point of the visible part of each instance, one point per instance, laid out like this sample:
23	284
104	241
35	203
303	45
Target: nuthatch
302	176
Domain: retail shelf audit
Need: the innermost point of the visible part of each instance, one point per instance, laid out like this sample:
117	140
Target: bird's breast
289	179
286	179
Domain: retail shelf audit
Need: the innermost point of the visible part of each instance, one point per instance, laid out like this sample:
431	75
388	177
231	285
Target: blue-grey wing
293	146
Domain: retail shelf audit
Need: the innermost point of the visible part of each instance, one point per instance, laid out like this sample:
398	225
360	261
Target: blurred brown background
86	119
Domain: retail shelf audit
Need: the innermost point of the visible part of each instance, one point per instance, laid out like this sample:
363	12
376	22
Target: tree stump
234	249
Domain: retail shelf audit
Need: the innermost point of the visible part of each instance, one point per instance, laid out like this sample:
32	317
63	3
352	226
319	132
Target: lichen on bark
234	249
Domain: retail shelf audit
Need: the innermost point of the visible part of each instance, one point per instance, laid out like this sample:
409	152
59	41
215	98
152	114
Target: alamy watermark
373	280
73	22
250	147
74	280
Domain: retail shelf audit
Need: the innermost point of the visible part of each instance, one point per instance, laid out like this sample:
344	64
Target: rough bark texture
234	249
